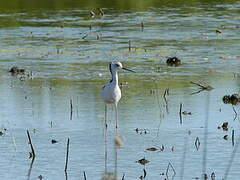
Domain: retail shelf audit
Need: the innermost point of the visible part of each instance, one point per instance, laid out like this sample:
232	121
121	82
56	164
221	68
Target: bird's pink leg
116	116
105	140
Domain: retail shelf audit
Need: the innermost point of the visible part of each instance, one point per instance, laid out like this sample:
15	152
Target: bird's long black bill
128	69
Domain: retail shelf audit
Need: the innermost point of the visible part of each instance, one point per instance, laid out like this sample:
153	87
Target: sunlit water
69	61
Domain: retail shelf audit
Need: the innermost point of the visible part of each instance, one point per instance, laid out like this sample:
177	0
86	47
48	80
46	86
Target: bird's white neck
115	77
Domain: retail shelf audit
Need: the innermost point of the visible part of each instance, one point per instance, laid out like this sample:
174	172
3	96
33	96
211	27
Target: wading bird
111	92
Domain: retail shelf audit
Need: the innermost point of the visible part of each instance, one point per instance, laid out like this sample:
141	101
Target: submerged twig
166	92
66	164
71	109
213	176
202	88
123	177
159	106
231	160
66	175
236	114
180	113
58	49
129	45
144	173
14	141
92	14
142	25
84	175
100	11
86	35
30	169
32	154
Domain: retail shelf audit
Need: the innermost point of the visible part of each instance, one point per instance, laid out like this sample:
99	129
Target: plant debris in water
201	88
143	161
152	149
233	99
225	126
22	74
16	71
96	11
141	131
173	61
186	113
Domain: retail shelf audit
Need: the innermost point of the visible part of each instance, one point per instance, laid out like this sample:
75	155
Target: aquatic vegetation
173	61
233	99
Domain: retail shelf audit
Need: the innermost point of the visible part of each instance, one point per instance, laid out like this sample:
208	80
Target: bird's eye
117	65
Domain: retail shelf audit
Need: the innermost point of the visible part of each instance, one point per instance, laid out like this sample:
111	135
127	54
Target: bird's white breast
111	93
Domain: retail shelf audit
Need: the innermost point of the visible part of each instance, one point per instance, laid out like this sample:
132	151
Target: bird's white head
115	66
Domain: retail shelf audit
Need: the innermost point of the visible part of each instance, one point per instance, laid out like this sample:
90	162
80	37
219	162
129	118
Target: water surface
68	53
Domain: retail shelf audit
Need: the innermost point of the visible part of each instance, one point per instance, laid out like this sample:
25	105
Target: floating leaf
152	149
143	161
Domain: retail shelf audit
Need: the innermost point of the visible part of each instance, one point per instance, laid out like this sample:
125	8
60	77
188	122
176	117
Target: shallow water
68	60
